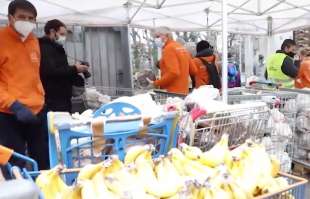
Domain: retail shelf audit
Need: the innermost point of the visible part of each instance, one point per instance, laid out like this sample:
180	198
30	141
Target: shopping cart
301	143
281	124
241	122
296	189
6	154
161	96
12	178
96	96
284	97
75	145
283	101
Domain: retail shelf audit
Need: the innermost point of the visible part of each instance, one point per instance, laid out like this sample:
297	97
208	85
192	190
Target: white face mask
61	40
24	27
159	42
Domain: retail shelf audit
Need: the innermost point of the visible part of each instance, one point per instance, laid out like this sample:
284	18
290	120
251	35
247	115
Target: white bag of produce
203	93
290	106
145	103
303	101
303	121
282	129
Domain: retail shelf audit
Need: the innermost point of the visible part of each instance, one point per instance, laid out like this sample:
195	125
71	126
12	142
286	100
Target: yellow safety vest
275	74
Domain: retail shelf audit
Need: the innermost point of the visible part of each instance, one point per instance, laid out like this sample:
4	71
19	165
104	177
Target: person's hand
81	68
23	114
151	82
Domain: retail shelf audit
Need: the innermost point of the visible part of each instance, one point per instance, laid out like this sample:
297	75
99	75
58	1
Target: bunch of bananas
219	173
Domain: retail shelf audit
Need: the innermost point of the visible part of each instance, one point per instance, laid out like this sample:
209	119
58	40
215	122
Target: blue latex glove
23	114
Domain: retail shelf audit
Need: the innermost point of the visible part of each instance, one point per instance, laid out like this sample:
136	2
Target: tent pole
269	36
240	56
137	11
224	52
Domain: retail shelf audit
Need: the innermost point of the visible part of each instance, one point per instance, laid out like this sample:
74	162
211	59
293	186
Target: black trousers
29	139
62	105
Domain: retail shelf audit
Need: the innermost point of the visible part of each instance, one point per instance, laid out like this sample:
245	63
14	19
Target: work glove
23	114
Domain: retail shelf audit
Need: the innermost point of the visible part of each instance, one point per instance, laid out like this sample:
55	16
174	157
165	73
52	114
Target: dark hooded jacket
57	76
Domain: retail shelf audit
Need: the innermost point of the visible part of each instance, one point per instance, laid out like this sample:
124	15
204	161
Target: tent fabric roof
244	16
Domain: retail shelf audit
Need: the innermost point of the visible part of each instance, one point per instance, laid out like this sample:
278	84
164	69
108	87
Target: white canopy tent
244	16
255	17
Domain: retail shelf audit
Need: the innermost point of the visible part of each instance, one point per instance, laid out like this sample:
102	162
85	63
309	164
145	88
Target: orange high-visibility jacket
20	71
303	77
176	66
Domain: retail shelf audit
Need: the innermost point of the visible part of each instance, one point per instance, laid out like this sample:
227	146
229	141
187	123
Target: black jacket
57	76
288	67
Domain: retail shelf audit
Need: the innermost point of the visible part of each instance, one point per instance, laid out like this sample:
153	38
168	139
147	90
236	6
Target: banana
192	153
124	182
238	192
218	193
246	172
134	151
189	167
218	154
270	186
100	188
73	192
148	178
282	182
276	165
144	165
88	190
112	165
169	180
87	172
51	185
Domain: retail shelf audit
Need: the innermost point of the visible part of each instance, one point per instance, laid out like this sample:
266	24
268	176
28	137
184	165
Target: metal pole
224	51
240	56
269	35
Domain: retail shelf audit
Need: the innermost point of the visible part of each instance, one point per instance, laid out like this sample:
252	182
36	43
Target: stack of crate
302	38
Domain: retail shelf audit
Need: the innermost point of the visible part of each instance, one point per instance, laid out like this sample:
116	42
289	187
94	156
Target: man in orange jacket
176	64
303	78
22	117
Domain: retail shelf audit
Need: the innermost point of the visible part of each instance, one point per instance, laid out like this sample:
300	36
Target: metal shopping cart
161	96
241	122
301	143
12	179
296	189
96	96
281	124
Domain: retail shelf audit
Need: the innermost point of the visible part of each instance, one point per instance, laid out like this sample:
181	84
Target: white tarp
245	16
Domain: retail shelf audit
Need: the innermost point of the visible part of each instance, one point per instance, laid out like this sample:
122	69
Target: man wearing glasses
22	116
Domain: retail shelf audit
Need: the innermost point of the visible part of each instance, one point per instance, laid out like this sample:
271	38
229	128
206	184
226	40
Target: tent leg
224	51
